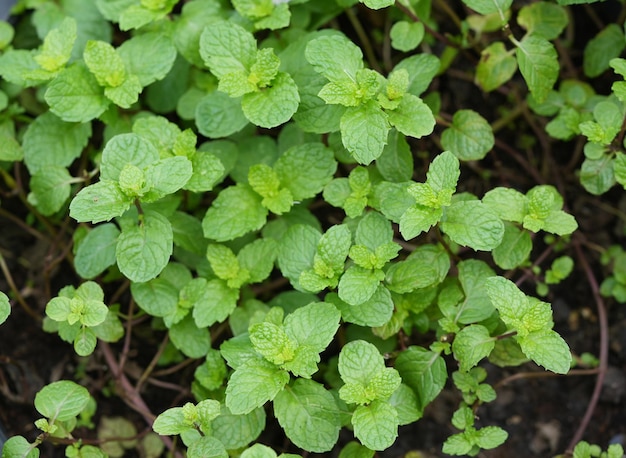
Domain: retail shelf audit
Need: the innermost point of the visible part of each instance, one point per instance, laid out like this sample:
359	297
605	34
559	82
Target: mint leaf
296	252
75	95
227	47
50	189
469	137
274	105
507	203
396	161
62	400
606	45
237	431
483	230
489	6
49	141
313	325
376	425
57	46
151	67
421	68
308	414
472	344
5	307
514	249
412	117
99	202
96	252
143	250
406	36
404	401
548	349
376	311
236	211
424	371
538	62
364	131
497	66
544	19
218	115
125	149
305	169
335	57
216	304
253	384
258	259
358	284
193	341
19	446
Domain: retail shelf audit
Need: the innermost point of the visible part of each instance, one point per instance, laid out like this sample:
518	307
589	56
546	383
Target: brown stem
16	291
604	348
153	363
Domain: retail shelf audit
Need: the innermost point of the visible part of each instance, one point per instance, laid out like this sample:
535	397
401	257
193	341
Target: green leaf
364	131
515	248
126	149
606	45
422	68
237	431
496	66
236	211
313	325
418	219
377	4
412	117
57	46
216	304
253	384
405	402
424	371
548	349
305	169
207	447
472	344
18	446
271	341
48	141
62	400
5	307
469	137
483	230
406	36
105	64
274	105
167	176
538	62
507	203
489	6
190	339
335	57
143	250
396	161
50	189
376	425
491	437
75	95
358	284
376	311
544	19
296	252
355	450
153	66
258	259
99	202
597	175
218	115
227	47
309	415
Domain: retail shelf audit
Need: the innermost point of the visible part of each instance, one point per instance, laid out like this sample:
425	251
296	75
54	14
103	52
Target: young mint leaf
143	250
216	305
193	341
329	260
376	425
305	169
497	66
417	219
75	95
313	325
126	149
472	344
350	193
57	46
421	68
151	67
412	117
61	401
469	137
335	57
406	36
364	131
274	105
167	176
606	45
218	115
99	202
227	47
507	203
254	383
424	371
538	62
404	401
472	224
48	141
258	259
358	284
157	297
309	415
426	266
271	341
207	446
548	349
236	211
106	65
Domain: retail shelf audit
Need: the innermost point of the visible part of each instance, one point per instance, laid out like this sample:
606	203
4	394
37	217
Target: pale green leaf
376	311
305	169
50	189
309	415
424	371
62	400
548	349
236	211
376	425
422	68
418	219
496	66
544	19
216	305
143	250
538	62
253	384
296	252
126	149
218	115
227	47
99	202
18	446
473	224
406	36
606	45
597	175
472	344
193	341
274	105
5	307
313	325
75	95
412	117
396	161
237	431
515	248
358	284
489	6
335	57
364	131
152	66
405	402
469	137
105	64
507	203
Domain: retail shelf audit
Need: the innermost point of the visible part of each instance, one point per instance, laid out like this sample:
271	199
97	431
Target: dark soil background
540	411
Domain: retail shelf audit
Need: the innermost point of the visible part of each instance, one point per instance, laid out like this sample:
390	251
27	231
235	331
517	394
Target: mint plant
298	216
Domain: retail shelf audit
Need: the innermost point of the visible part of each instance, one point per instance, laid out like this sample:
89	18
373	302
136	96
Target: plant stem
365	41
15	290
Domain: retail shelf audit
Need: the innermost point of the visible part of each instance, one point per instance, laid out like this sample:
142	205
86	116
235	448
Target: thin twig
16	291
364	39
